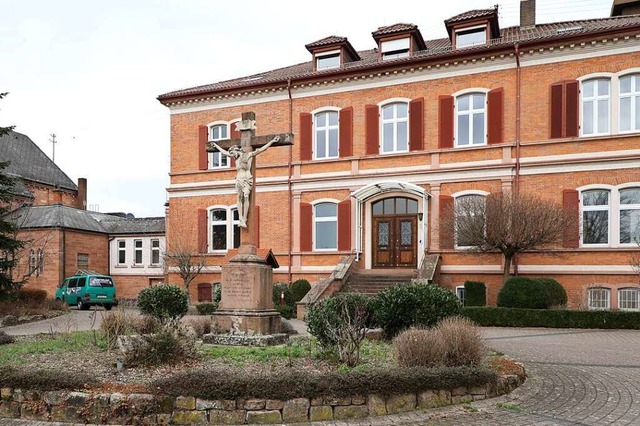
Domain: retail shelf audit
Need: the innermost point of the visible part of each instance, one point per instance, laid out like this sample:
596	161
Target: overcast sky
90	71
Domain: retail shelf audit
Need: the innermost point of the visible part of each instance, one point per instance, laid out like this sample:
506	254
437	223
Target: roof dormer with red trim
398	41
473	28
331	52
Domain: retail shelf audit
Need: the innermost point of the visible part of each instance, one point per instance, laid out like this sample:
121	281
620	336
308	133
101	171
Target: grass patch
18	353
510	407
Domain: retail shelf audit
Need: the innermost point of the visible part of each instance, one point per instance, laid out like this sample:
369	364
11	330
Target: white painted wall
129	267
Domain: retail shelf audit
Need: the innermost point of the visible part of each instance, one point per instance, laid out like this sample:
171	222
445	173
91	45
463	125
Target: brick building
62	237
387	138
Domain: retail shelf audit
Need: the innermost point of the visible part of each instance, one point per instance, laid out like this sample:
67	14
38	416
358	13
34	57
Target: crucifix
244	151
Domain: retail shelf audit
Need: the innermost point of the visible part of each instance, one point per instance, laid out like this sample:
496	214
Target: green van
86	290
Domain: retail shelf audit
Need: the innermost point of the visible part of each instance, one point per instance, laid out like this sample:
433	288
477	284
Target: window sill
121	266
154	266
137	266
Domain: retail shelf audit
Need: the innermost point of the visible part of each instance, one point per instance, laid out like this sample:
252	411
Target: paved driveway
576	377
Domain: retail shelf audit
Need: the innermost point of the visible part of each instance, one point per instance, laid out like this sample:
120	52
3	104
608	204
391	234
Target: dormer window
398	48
328	60
474	36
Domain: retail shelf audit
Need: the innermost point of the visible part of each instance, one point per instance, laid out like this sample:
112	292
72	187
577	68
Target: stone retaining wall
119	408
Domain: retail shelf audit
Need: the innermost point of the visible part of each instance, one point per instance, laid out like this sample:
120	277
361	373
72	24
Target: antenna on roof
53	141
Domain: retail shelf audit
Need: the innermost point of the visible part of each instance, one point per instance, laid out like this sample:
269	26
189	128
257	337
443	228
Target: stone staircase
370	282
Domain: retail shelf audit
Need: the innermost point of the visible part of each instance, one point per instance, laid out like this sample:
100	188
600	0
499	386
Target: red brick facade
521	79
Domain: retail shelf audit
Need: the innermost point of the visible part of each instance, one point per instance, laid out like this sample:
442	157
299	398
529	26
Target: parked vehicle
86	290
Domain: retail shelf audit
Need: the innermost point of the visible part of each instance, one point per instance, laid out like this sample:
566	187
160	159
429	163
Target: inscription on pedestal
237	291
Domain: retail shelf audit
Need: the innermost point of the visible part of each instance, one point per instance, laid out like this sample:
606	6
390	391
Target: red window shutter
233	134
306	226
346	132
495	118
445	139
416	124
203	155
204	292
571	203
256	221
306	136
202	231
446	222
344	225
372	129
571	109
557	111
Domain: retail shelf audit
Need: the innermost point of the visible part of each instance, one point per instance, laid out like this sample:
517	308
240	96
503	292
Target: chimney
82	193
527	14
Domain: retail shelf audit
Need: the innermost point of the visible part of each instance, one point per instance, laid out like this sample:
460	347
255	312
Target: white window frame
595	99
315	220
621	207
462	194
137	250
326	129
399	52
321	55
608	208
229	224
211	155
482	28
460	290
633	95
635	290
154	249
122	248
463	93
394	121
607	299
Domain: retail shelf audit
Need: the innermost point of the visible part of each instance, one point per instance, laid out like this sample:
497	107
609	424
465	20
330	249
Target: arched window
235	225
40	268
471	119
596	106
326	135
630	103
599	298
217	160
595	216
469	220
628	299
325	226
33	262
630	216
395	124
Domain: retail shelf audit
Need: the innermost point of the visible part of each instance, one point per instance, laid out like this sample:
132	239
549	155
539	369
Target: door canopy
374	189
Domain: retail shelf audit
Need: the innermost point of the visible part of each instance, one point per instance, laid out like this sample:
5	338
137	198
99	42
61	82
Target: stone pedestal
247	291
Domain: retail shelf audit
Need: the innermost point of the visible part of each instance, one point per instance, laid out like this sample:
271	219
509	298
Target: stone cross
244	150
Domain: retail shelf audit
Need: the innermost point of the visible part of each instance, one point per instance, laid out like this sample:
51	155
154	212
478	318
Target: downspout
109	255
64	254
516	183
289	186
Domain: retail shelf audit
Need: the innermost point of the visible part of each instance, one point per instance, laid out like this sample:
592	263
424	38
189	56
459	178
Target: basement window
473	36
328	60
393	49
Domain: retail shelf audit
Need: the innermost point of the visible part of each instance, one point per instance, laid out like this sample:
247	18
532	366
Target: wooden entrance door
395	242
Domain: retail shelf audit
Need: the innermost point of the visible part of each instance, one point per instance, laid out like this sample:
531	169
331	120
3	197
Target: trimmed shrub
557	293
286	311
475	293
339	324
44	380
278	290
406	305
299	289
167	346
418	347
521	292
308	384
462	341
5	338
164	302
206	308
217	293
552	318
31	295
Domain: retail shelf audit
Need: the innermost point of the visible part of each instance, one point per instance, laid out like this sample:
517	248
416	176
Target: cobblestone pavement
576	377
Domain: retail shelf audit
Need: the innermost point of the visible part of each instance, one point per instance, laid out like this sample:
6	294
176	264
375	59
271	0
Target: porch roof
373	189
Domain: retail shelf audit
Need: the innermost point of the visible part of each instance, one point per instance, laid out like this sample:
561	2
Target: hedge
303	384
44	380
552	318
475	293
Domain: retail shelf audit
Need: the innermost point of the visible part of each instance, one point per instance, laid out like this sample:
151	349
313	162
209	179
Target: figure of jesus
244	178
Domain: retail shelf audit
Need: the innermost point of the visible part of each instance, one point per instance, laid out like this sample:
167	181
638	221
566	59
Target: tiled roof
326	42
29	162
471	14
439	48
392	29
144	225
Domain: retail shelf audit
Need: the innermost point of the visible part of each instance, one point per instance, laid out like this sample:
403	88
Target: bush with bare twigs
418	347
115	324
145	324
200	326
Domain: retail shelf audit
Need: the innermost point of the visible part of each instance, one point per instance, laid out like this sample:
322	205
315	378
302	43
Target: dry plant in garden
509	224
418	347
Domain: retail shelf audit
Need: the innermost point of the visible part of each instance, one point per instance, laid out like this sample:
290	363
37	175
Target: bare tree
510	224
182	254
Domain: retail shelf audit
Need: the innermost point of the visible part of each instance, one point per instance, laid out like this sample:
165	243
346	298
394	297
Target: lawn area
22	351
